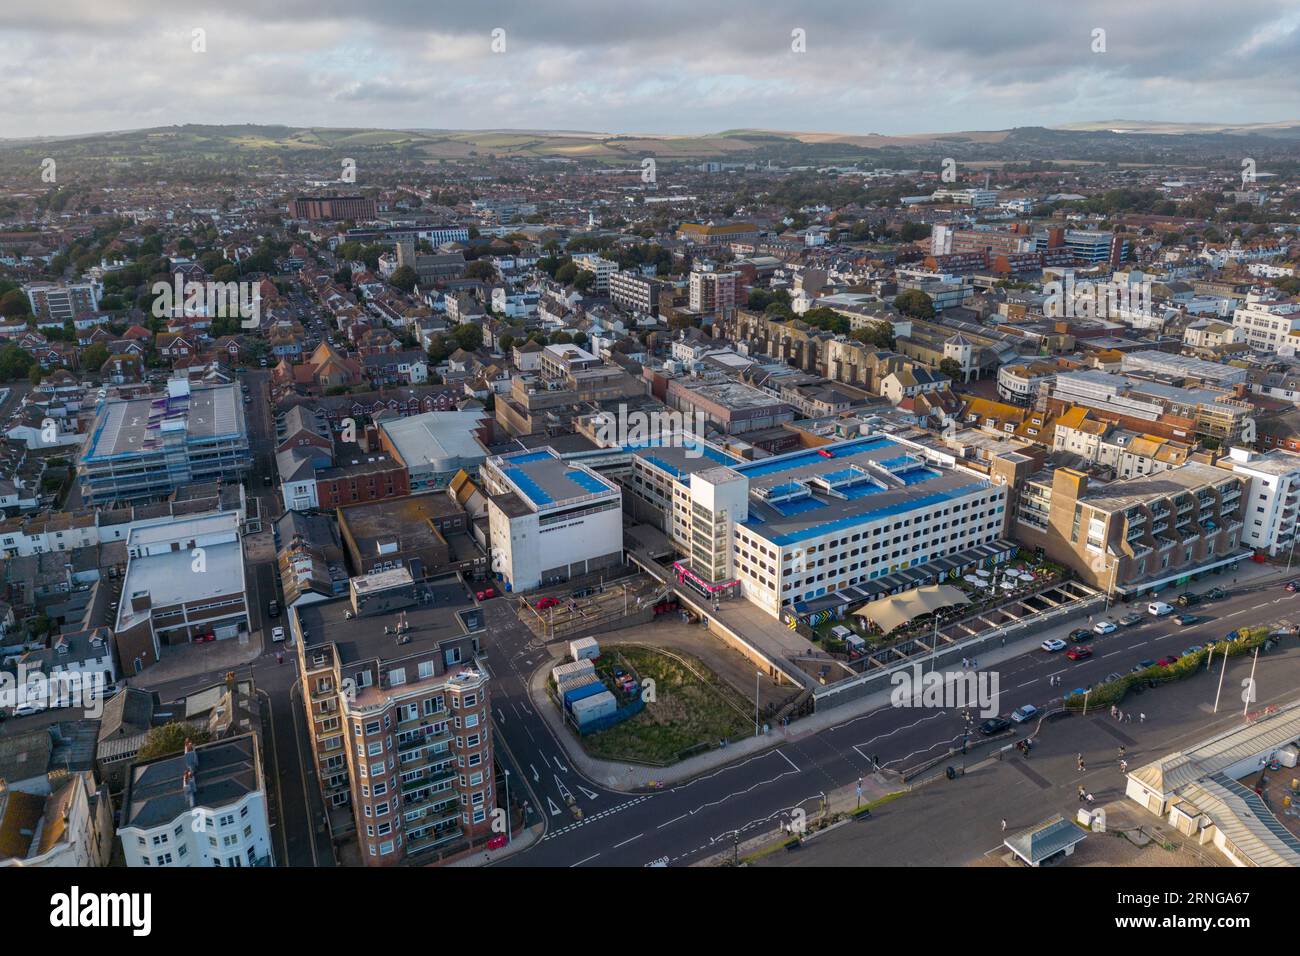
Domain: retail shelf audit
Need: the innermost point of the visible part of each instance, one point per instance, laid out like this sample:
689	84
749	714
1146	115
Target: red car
203	638
486	593
1166	661
825	454
546	602
497	842
1078	652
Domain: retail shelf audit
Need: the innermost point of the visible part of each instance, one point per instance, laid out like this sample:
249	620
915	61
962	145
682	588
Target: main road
679	825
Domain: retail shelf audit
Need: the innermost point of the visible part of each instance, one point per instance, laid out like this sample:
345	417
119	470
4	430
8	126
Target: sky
637	66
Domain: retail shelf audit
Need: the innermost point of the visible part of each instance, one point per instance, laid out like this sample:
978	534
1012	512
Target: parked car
1185	619
1159	609
277	634
1128	620
1215	594
1077	692
1023	713
273	608
1105	627
1111	677
1140	666
203	638
994	725
546	602
1079	635
1292	587
28	709
1054	645
1187	599
1079	653
1167	660
486	593
1189	651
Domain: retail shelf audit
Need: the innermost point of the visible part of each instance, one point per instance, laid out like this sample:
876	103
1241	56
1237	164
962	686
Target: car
273	608
1159	609
1112	677
1292	587
1141	666
1167	660
1187	599
1189	651
1052	646
1105	627
485	594
1128	620
1021	714
28	709
1079	635
825	454
994	725
203	638
1079	653
1215	594
1077	692
266	479
277	634
1185	619
546	602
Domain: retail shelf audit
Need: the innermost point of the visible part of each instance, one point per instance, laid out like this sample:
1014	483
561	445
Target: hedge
1105	695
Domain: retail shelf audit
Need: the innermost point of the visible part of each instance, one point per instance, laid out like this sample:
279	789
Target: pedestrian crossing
591	818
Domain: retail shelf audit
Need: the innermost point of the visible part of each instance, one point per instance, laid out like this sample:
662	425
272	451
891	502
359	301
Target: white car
27	710
1105	627
277	634
1054	645
1021	714
1159	609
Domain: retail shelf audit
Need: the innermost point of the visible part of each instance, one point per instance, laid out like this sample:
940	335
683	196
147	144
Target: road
684	823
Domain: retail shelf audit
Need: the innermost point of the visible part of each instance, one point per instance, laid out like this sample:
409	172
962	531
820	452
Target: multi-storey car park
793	528
148	447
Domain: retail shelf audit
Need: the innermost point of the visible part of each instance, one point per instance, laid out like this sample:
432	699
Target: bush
1104	695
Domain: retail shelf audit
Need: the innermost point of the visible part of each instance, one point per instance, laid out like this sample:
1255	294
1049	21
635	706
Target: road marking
589	795
587	860
564	791
671	822
627	841
1027	683
787	760
536	778
555	811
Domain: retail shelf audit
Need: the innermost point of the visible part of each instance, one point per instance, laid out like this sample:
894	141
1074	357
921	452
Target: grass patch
688	713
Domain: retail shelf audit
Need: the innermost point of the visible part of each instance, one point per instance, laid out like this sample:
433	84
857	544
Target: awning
898	609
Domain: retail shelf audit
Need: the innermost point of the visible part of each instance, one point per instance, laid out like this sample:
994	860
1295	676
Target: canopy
897	609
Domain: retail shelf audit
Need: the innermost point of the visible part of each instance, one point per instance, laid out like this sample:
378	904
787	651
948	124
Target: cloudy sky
655	66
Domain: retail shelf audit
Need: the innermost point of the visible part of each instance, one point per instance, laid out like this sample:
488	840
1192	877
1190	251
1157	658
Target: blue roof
801	459
529	487
589	483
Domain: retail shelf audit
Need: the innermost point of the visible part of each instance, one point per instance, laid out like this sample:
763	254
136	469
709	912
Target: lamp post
509	831
757	676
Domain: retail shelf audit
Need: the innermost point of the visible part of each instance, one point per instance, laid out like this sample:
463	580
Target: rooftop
227	770
543	480
135	426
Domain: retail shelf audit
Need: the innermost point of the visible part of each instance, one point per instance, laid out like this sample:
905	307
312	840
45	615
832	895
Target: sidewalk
631	778
522	840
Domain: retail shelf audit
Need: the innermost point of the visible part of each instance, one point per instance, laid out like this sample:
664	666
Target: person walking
1121	751
1088	797
1081	793
1123	766
1142	718
1004	826
1128	718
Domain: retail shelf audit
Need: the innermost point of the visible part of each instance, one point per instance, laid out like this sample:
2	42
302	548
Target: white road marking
555	811
587	860
628	840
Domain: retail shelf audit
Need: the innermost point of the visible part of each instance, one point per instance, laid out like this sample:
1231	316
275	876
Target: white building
598	266
1272	497
71	825
1266	322
203	807
550	520
791	528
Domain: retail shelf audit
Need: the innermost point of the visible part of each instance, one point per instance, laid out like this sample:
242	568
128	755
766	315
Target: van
1159	609
841	633
273	609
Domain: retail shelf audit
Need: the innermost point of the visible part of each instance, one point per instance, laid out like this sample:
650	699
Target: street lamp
757	676
509	831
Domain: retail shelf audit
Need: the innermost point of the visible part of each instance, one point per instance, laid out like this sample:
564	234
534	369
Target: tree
94	357
404	278
468	336
480	269
951	368
566	273
13	303
915	303
584	281
170	739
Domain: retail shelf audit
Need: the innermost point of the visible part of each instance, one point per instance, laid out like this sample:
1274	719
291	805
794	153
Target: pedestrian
1142	718
1081	793
1128	718
1113	709
1123	766
1088	797
1121	751
974	664
1082	768
1004	826
1119	716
